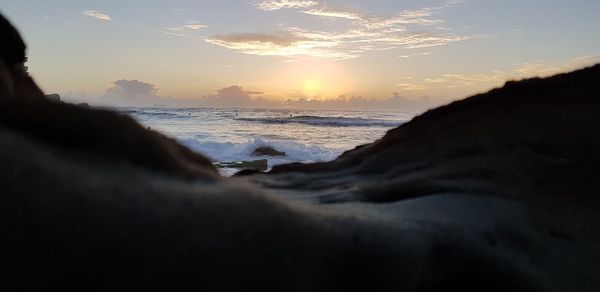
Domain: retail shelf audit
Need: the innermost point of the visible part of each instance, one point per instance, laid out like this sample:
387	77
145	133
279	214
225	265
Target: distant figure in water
149	128
189	114
290	115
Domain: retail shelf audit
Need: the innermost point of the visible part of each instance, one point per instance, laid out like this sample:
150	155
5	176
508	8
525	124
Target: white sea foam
294	151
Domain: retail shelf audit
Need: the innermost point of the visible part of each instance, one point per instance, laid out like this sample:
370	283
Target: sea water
230	135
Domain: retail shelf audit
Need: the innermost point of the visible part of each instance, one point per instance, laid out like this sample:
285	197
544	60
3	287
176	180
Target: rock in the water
260	165
267	151
53	97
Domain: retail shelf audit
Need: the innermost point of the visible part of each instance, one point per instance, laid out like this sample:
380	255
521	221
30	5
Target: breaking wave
294	151
325	121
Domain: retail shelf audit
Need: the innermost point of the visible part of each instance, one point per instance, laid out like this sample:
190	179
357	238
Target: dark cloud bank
139	93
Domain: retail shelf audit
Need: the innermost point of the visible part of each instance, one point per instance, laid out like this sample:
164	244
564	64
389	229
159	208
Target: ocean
232	135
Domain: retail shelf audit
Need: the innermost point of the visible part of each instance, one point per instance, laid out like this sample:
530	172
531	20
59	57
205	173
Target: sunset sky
288	49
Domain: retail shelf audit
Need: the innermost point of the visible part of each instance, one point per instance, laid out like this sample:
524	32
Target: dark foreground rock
498	192
536	139
53	97
108	135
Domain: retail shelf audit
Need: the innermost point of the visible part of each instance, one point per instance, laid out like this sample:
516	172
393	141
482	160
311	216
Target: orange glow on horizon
311	87
311	78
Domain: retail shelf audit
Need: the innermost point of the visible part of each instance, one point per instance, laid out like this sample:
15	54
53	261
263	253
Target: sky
298	53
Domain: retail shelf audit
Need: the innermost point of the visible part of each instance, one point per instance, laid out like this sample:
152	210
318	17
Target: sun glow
311	87
312	79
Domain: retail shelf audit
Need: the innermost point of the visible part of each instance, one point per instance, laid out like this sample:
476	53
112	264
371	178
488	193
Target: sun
311	86
309	78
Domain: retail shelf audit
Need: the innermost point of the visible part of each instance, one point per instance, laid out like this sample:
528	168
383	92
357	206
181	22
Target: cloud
359	33
138	93
496	76
325	11
183	30
233	96
338	46
171	32
133	88
404	17
395	102
436	80
428	39
543	69
281	4
132	92
584	61
97	15
411	86
470	80
194	26
520	71
414	55
537	69
255	42
285	44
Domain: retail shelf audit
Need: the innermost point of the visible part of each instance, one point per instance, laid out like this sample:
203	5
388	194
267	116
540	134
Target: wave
325	121
229	151
124	111
150	113
159	114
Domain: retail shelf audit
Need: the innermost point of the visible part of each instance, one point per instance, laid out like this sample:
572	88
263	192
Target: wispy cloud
519	71
478	79
282	4
340	46
193	26
414	55
183	30
325	11
411	86
170	32
97	15
584	61
360	33
256	43
537	69
405	17
285	44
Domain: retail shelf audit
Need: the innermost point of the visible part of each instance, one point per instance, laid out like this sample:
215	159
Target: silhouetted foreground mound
532	139
497	192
